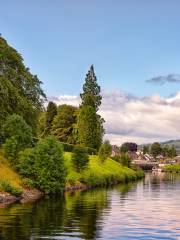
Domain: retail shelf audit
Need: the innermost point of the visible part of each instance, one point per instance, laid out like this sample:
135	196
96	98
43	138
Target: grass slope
98	174
10	181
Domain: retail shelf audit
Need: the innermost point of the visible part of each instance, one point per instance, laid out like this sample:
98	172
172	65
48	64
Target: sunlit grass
98	173
8	175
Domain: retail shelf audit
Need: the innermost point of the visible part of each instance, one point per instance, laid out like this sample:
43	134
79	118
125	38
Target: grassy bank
10	181
96	174
99	174
172	168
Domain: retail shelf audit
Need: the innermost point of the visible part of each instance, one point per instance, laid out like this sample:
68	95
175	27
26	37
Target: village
145	160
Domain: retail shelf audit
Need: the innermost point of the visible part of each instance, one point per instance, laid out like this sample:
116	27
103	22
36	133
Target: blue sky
128	42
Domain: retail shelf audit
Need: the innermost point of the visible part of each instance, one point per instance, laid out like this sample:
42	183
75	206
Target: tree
63	123
129	146
51	112
17	135
171	152
44	165
105	150
125	160
91	90
156	149
145	149
20	91
90	124
80	158
41	124
87	126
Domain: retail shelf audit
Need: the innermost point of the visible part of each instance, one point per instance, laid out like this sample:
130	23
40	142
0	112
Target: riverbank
99	173
96	174
172	168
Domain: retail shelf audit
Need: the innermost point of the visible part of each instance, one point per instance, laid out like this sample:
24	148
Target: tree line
32	137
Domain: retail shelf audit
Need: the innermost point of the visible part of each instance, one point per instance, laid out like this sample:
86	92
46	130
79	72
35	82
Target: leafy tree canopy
129	146
20	91
51	112
156	149
105	150
63	123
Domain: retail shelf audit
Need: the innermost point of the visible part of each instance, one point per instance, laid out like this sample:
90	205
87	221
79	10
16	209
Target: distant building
115	151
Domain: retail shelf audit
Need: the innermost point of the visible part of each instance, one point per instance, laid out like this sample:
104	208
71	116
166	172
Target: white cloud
129	118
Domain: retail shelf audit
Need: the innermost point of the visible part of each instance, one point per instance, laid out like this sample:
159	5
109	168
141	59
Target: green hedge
70	148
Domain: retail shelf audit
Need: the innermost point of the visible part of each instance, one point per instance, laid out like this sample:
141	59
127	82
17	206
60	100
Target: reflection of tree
76	213
86	209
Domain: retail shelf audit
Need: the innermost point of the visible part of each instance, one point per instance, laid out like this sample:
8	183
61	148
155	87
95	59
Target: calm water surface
148	209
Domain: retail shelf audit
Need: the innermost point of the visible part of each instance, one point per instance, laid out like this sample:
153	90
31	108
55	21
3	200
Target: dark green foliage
91	90
80	158
11	149
26	163
20	91
41	124
44	165
90	125
129	146
123	159
169	151
64	122
51	112
88	128
156	149
18	136
123	149
7	187
145	149
105	150
15	126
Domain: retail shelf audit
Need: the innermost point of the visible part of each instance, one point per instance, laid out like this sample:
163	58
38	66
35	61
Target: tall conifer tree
90	124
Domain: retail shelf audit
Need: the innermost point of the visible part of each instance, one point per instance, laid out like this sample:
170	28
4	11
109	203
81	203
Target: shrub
105	151
80	158
125	160
7	187
44	165
26	163
11	149
15	126
18	135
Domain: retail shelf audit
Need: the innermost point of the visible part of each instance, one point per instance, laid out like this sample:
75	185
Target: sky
133	44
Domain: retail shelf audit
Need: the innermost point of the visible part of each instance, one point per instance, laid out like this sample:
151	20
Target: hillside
96	174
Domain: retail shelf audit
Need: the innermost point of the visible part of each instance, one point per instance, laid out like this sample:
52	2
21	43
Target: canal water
148	209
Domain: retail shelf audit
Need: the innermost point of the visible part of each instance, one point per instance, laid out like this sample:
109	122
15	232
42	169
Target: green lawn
98	174
172	168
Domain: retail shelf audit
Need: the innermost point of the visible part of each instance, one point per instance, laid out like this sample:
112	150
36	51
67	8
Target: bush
80	158
105	151
125	160
15	126
26	163
7	187
18	135
44	165
11	149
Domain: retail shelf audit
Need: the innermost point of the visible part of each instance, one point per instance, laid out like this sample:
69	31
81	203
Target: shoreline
32	195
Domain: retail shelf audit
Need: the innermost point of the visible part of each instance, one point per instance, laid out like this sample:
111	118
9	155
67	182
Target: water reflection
147	209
